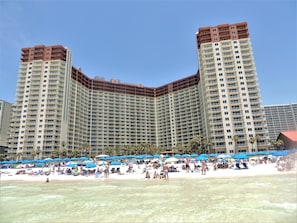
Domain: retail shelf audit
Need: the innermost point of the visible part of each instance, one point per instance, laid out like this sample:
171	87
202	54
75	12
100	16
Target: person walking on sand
166	170
203	167
106	171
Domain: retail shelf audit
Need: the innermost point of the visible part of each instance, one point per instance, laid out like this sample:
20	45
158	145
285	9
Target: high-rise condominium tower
232	114
281	118
58	106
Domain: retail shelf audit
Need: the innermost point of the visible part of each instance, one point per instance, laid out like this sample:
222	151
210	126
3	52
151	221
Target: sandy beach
258	170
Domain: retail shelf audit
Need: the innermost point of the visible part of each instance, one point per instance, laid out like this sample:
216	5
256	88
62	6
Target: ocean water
269	199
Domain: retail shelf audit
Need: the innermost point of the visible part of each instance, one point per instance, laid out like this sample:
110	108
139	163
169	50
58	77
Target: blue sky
149	42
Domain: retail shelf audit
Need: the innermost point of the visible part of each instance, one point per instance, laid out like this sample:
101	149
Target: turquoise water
247	199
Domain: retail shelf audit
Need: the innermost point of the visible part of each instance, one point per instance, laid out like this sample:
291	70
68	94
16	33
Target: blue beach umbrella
186	155
40	165
91	165
200	158
212	155
131	156
224	156
71	164
148	156
240	156
115	163
156	155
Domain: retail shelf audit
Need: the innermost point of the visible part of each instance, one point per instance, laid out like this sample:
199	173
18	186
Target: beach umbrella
66	159
224	156
171	160
74	159
131	156
262	153
194	155
177	155
115	163
148	156
212	155
12	162
57	159
240	156
91	165
156	155
47	160
26	161
71	164
87	161
280	153
186	155
203	154
83	158
199	158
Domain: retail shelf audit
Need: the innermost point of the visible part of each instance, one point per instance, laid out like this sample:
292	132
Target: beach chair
245	165
237	166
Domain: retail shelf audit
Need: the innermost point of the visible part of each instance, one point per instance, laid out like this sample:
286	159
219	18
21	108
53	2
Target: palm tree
180	148
19	155
2	157
33	154
64	150
279	144
252	141
75	153
84	149
235	140
196	144
208	144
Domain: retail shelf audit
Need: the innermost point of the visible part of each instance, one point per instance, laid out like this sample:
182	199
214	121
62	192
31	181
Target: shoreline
253	171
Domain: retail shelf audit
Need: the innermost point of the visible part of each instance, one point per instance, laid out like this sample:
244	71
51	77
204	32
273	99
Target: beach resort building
5	113
58	106
281	118
231	103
